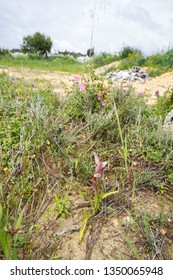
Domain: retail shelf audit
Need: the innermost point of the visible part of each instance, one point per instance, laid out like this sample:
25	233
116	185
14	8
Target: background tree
37	43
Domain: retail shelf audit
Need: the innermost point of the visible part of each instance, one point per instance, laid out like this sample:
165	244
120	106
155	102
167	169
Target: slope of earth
103	69
149	87
160	84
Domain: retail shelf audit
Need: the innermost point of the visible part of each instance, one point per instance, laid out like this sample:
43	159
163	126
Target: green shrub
127	50
133	59
164	59
104	59
164	104
5	53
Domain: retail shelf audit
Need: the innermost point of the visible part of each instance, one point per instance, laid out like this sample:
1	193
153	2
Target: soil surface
150	87
116	236
60	81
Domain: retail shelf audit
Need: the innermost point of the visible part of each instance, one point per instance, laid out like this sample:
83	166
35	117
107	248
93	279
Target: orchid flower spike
99	166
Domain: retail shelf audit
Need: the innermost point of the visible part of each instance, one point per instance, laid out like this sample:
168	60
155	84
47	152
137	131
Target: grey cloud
69	23
139	15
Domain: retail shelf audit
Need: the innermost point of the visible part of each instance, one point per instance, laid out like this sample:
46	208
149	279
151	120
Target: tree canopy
37	43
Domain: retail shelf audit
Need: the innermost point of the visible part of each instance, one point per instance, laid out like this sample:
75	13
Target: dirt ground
60	81
106	236
149	87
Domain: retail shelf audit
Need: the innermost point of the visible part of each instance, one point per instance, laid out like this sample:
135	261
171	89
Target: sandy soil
149	87
106	238
62	80
103	69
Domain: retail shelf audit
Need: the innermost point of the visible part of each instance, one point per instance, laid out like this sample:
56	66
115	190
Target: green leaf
108	194
76	163
18	224
84	225
19	220
5	241
97	200
1	212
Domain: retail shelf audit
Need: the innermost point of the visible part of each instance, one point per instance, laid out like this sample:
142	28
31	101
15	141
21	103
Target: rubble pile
136	73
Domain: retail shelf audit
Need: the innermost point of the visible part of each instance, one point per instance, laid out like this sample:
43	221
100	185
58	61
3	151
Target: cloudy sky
76	24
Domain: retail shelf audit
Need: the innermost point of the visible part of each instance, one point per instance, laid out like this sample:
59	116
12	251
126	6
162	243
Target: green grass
103	59
59	63
46	153
157	64
62	63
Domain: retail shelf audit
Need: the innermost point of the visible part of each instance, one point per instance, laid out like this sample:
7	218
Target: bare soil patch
149	87
108	237
61	81
103	69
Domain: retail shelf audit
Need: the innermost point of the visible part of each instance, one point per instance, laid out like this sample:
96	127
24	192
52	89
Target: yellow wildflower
5	169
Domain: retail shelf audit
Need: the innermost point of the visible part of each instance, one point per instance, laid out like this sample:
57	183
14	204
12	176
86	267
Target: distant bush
104	58
133	59
14	50
127	50
35	56
4	52
70	53
161	59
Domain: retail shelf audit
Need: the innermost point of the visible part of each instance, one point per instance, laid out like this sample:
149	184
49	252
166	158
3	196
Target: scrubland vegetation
157	63
48	146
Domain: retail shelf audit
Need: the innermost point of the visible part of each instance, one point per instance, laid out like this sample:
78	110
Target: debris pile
136	73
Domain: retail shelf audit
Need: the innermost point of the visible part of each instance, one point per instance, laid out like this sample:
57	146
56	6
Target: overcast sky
146	24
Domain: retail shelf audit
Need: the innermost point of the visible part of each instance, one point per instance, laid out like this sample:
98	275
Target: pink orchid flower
99	95
83	86
99	166
76	79
104	102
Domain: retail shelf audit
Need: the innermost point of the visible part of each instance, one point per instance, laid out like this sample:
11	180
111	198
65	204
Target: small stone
115	223
168	123
126	220
163	231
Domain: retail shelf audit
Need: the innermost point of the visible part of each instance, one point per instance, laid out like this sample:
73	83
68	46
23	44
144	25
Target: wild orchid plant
81	83
98	171
97	90
99	196
100	165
